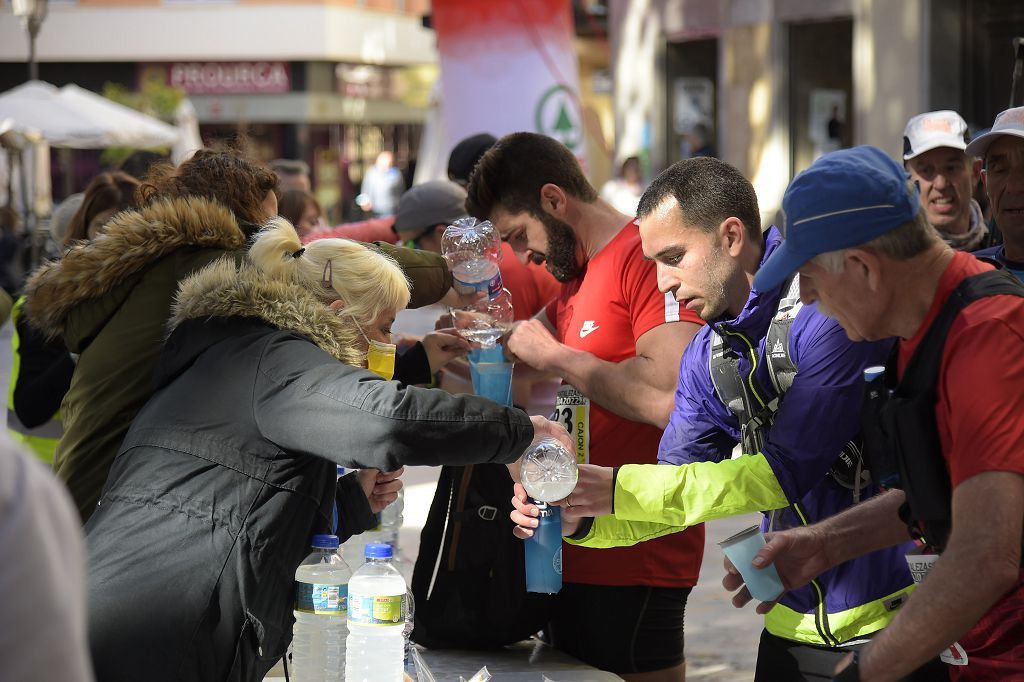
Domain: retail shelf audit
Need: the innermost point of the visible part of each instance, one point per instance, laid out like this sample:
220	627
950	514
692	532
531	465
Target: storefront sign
229	78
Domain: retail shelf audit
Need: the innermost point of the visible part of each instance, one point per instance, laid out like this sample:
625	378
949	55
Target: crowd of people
867	273
206	351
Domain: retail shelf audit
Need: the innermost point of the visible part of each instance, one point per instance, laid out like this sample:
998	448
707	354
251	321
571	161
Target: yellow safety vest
43	439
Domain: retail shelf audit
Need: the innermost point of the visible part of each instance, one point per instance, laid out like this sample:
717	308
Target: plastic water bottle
473	250
409	663
548	473
387	531
353	547
391	519
321	613
356	544
376	620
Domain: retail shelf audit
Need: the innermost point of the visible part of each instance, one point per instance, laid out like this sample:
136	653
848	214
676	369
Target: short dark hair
466	154
708	192
512	172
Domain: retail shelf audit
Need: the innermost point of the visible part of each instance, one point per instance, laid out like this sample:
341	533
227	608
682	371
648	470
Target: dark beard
561	253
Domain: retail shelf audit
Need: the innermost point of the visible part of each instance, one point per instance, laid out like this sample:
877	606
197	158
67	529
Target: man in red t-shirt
867	256
615	341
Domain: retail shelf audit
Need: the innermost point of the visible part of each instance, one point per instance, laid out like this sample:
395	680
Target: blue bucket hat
846	198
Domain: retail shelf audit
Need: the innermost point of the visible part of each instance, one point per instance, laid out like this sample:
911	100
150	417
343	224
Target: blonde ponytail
274	250
369	282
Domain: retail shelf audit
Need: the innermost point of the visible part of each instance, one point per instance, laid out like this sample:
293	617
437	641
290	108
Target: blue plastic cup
544	552
764	584
492	376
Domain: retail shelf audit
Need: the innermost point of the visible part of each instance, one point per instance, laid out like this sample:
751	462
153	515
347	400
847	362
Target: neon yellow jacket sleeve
608	531
654	500
692	493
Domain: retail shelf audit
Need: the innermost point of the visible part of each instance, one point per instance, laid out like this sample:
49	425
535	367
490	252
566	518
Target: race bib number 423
572	410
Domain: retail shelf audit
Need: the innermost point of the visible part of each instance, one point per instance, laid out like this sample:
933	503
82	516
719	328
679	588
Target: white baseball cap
1010	122
932	130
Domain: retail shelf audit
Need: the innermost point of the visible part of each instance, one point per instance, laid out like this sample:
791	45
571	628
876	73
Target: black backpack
904	432
469	580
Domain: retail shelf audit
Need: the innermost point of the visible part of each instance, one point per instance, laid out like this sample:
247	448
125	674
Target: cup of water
491	374
493	380
764	584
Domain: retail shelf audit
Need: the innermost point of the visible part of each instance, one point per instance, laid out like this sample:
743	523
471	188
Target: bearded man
615	341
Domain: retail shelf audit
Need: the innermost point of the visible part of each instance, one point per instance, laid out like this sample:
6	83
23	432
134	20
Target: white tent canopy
128	127
80	119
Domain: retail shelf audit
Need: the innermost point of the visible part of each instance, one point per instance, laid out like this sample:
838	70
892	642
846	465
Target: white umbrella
76	118
126	127
34	106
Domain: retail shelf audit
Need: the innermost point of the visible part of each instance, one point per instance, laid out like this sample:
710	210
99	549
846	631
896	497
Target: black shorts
621	629
783	660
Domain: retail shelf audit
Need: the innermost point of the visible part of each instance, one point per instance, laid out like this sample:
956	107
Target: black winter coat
230	468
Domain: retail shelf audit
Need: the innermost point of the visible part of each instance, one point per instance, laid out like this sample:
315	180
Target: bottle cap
377	551
326	541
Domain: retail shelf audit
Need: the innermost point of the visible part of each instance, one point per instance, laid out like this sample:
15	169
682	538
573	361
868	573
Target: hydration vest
900	424
756	414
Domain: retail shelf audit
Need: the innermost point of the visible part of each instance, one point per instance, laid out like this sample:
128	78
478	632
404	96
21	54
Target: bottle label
328	600
492	287
377	610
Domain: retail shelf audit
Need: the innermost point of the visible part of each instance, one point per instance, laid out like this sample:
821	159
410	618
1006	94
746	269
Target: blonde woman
108	299
229	469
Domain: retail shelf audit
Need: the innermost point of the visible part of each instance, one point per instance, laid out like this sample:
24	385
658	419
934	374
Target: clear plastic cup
764	584
493	380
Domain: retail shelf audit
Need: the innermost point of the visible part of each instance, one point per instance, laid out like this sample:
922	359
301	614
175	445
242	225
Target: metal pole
33	68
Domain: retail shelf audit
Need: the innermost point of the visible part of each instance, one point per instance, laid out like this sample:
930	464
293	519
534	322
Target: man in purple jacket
780	379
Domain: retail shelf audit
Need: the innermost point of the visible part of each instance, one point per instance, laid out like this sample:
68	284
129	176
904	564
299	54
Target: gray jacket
230	468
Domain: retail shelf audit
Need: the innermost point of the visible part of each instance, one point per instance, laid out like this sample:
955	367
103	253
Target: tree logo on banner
558	116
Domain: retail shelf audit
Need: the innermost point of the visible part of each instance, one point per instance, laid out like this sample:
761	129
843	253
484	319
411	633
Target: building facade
331	82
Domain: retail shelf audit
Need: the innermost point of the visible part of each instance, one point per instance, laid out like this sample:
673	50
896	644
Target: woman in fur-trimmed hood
229	469
110	298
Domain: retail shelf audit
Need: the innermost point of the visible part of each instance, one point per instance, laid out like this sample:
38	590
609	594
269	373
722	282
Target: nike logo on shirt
587	328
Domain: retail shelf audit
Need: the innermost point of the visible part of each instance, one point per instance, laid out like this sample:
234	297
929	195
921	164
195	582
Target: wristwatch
850	673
